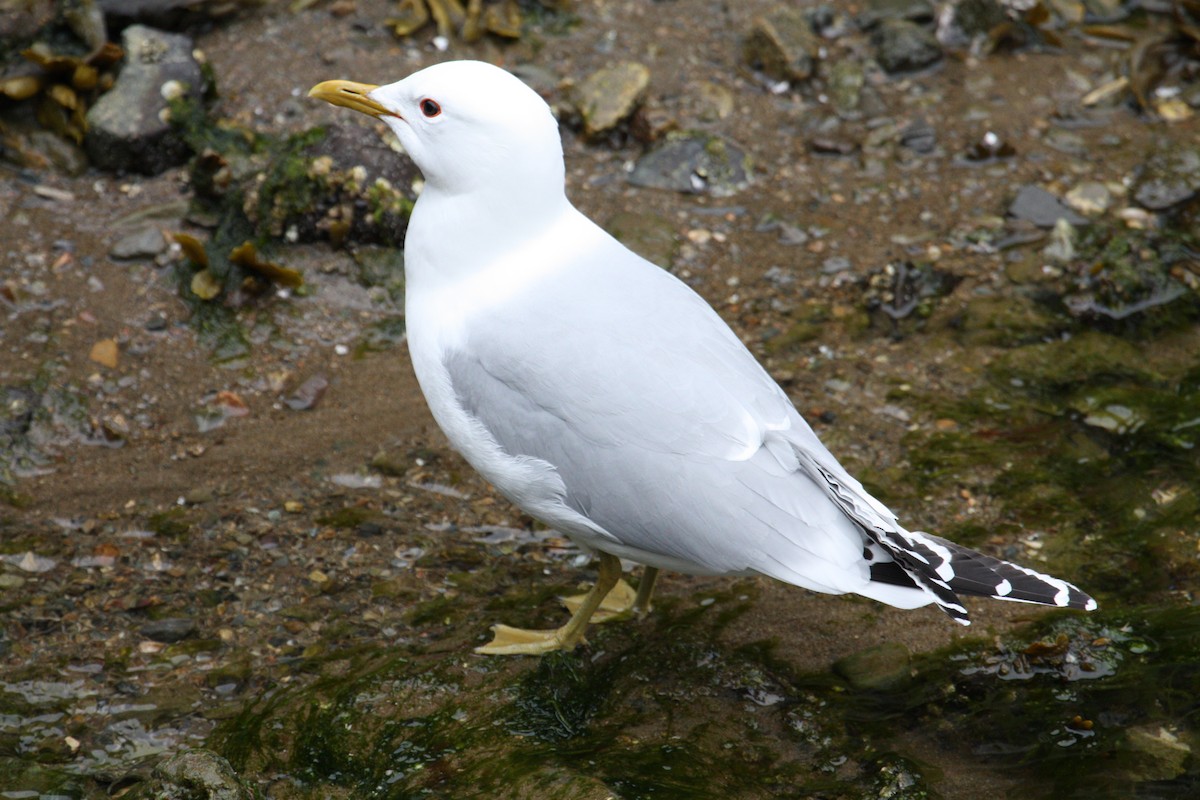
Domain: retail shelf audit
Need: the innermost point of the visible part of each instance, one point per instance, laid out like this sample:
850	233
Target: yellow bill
351	95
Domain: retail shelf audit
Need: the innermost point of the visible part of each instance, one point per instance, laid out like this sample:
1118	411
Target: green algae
641	715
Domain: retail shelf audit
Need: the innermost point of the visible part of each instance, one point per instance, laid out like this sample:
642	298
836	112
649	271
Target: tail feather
944	569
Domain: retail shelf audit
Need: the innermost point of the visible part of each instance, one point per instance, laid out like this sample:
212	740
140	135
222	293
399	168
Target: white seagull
607	399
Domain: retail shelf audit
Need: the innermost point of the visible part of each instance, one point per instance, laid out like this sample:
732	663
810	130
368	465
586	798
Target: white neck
450	238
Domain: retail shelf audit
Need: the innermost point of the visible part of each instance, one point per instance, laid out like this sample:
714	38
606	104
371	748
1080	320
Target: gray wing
664	429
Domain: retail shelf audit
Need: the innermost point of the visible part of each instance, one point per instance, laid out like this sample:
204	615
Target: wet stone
169	630
1034	204
129	127
695	164
903	46
1168	178
195	775
1159	754
880	667
145	242
782	45
609	96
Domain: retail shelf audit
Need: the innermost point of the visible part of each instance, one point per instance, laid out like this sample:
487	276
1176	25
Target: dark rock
883	666
962	23
919	136
903	46
1170	177
1043	209
879	10
694	163
782	44
168	631
129	127
170	14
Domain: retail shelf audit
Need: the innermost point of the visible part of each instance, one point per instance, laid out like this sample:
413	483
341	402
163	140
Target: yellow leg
641	603
516	641
621	602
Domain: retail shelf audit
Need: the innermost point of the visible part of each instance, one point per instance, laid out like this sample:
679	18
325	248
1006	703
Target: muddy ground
289	549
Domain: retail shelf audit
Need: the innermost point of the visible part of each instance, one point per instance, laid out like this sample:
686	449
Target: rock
1159	755
708	101
961	23
308	394
106	353
10	581
194	775
1089	358
170	14
610	95
1005	321
782	44
879	10
1034	204
1067	142
903	46
1061	249
695	163
144	242
167	631
64	154
1169	177
919	136
883	666
846	80
129	127
1090	197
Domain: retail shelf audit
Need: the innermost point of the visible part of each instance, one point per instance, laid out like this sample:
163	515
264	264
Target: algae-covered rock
1005	320
1158	754
193	775
883	666
1089	358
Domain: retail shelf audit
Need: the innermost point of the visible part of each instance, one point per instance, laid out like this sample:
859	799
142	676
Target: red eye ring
430	108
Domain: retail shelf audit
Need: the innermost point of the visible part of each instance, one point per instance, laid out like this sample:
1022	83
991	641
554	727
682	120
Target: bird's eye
430	108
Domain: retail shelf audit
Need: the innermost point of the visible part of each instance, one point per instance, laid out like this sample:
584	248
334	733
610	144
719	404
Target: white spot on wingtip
1090	605
1003	589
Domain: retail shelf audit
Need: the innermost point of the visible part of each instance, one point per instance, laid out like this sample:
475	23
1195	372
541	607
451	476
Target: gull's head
468	125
